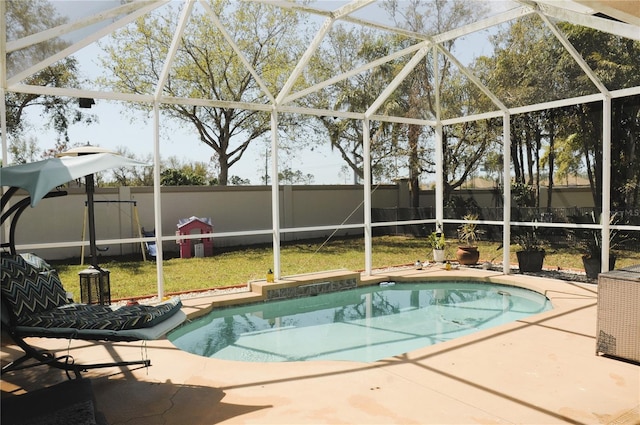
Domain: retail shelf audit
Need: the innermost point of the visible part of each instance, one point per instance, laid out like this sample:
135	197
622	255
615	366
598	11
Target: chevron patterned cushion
26	290
82	316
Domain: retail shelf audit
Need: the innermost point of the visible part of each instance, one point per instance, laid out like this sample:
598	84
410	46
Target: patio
537	371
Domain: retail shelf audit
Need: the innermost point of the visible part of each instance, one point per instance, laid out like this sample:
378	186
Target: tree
524	70
391	143
206	67
176	173
294	177
615	62
25	18
346	48
466	146
417	91
239	181
530	66
133	176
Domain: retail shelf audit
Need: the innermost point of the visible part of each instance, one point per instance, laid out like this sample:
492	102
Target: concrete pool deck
541	370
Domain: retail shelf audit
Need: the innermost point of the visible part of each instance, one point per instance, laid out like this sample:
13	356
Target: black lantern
95	287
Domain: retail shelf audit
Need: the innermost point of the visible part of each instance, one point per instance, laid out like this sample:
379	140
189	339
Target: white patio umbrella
38	178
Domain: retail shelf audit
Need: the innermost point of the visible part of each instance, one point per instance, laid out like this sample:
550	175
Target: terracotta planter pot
468	255
530	261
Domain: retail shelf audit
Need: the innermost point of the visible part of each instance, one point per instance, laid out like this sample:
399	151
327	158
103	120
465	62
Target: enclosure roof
621	18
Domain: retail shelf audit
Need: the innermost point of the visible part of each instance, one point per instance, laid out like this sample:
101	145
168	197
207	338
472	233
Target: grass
134	278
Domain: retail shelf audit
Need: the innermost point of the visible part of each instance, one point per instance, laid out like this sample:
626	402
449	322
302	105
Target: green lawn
134	278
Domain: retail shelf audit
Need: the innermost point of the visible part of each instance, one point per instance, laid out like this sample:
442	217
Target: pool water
365	324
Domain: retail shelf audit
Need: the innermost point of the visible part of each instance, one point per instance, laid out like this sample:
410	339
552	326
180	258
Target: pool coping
259	291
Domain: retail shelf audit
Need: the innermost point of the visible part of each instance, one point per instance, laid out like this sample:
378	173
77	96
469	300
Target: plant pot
530	261
467	255
438	255
592	265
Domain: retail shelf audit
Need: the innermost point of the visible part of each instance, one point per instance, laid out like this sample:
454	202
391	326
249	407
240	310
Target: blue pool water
365	324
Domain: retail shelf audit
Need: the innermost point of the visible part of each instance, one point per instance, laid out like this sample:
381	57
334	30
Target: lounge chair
34	304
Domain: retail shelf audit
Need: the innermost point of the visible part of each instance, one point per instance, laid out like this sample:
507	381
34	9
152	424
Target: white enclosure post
605	217
366	157
275	195
157	199
439	148
506	217
439	177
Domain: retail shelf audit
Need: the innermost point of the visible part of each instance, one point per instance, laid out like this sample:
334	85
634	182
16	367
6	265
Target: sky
115	129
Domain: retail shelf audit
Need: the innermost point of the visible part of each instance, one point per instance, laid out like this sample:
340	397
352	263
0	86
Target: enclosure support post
275	198
366	157
157	204
439	177
164	75
605	217
506	213
439	148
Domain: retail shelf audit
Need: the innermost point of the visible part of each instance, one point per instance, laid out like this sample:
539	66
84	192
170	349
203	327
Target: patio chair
34	304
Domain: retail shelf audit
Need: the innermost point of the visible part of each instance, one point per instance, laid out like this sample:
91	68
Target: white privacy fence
241	215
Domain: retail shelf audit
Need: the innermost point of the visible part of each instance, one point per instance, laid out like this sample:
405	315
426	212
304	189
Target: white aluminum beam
406	70
556	104
332	14
574	54
234	46
157	192
439	140
601	24
72	92
217	103
475	117
81	44
402	120
157	200
487	23
506	200
630	91
474	79
605	218
64	29
304	60
275	195
353	72
315	43
366	158
173	48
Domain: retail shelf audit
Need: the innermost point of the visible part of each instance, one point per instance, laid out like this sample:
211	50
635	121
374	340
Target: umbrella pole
89	183
84	233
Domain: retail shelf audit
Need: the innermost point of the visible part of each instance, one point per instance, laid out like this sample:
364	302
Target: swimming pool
365	324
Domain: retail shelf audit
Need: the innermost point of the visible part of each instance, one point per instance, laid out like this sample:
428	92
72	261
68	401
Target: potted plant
437	243
531	242
468	253
590	241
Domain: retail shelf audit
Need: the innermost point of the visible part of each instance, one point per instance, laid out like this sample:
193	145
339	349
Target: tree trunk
552	155
223	175
414	165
